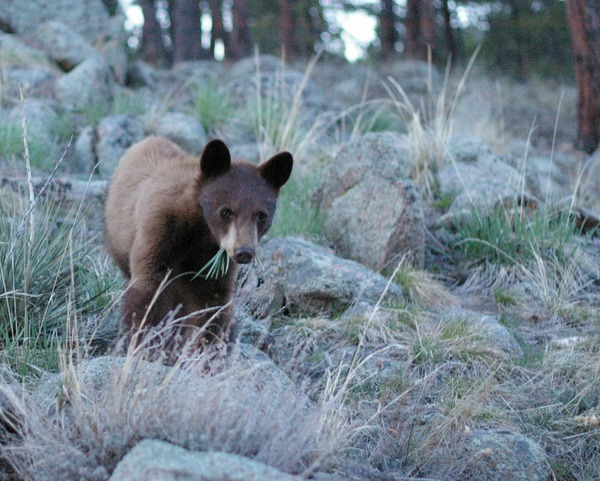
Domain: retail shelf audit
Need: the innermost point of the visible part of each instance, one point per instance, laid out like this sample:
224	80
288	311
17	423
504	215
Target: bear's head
238	198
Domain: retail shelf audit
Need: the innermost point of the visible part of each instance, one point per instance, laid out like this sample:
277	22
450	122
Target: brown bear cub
167	215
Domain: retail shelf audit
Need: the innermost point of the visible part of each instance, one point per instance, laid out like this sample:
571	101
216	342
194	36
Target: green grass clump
212	106
513	236
41	150
216	267
296	215
49	273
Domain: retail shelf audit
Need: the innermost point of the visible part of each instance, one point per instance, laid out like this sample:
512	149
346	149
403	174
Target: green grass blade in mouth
216	267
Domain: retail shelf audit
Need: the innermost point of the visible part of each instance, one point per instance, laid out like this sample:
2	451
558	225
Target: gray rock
63	44
279	87
35	83
182	129
42	119
247	67
247	152
497	454
373	212
89	84
589	192
240	402
310	279
14	53
85	155
89	18
114	136
495	333
412	75
160	461
478	178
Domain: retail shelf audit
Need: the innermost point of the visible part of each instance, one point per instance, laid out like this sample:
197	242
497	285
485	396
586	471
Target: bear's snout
244	254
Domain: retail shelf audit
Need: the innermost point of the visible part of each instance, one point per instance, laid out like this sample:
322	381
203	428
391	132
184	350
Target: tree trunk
584	25
450	42
186	30
387	30
153	48
427	26
420	28
240	43
515	19
218	30
286	28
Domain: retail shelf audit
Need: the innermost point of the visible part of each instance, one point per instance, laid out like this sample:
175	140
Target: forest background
522	38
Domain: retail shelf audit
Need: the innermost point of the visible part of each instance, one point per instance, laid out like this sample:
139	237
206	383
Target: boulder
239	402
182	129
87	85
84	158
497	454
157	460
589	192
14	53
63	44
277	85
88	18
114	136
42	119
498	336
36	84
309	279
477	178
373	212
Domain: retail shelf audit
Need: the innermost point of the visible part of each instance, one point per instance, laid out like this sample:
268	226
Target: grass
542	248
42	151
279	120
205	402
212	106
510	237
48	271
392	388
296	214
429	126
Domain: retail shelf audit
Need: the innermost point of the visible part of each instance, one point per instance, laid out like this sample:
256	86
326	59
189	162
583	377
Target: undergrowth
49	270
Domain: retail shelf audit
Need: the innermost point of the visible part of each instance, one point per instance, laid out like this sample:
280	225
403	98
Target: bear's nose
244	254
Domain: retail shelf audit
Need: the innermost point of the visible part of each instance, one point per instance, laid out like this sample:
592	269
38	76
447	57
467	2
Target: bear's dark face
238	200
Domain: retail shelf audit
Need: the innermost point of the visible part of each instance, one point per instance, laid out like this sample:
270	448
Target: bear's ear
215	160
277	170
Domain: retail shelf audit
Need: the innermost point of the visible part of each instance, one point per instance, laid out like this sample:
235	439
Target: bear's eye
226	214
261	217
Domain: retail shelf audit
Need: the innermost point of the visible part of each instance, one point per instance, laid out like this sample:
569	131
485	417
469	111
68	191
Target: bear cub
168	213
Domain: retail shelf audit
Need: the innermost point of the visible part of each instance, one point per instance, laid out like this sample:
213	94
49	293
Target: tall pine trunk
240	43
387	30
186	30
153	48
584	24
420	28
286	28
218	30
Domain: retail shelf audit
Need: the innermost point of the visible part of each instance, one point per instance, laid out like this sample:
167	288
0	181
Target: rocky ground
426	306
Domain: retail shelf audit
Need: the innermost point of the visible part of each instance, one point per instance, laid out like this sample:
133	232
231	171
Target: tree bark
584	26
218	30
387	30
420	28
240	43
450	42
186	30
286	28
153	48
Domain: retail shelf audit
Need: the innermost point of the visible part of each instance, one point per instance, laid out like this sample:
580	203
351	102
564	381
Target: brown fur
165	219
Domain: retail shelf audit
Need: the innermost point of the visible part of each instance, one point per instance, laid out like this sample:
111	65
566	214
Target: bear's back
147	169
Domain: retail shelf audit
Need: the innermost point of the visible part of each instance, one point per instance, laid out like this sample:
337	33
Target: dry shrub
237	402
